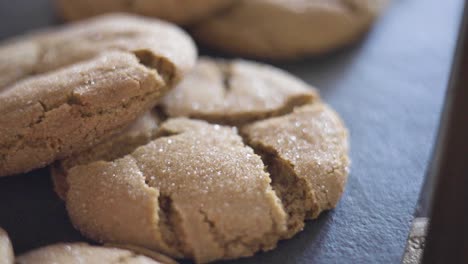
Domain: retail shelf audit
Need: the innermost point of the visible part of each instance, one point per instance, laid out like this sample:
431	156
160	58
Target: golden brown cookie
182	12
236	92
64	90
280	29
6	250
77	253
209	192
183	194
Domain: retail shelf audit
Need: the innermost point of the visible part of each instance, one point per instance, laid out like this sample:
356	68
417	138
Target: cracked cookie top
61	91
207	191
75	253
236	92
184	194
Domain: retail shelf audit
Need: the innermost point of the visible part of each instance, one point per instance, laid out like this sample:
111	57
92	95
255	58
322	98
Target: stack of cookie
155	150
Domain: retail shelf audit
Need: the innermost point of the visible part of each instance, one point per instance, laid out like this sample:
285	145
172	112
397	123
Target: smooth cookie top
279	29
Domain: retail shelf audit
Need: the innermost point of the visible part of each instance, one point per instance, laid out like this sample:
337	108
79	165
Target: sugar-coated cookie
207	191
64	90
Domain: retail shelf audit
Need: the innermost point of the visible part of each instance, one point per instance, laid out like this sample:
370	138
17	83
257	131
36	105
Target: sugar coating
62	90
6	250
40	52
51	116
278	29
184	194
236	92
207	191
309	146
77	253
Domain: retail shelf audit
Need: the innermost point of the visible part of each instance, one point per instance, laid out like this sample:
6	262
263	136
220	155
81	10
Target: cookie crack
217	237
169	219
226	76
228	244
19	144
294	192
162	65
167	223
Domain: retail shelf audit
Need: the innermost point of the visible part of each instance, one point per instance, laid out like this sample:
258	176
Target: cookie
181	12
81	84
278	29
183	194
75	253
6	251
236	92
206	191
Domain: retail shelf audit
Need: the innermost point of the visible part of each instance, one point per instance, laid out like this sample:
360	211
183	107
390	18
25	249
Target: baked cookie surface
182	12
206	191
283	29
61	90
236	92
6	250
77	253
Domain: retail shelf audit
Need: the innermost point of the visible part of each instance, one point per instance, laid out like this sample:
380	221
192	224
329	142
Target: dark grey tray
389	89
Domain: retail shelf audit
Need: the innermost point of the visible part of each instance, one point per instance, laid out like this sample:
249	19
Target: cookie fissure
217	237
20	144
164	68
169	223
226	75
229	247
293	192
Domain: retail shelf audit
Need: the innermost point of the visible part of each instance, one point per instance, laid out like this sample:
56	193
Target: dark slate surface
389	90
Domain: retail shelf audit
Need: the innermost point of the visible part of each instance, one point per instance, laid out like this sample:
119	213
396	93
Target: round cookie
279	29
66	94
209	192
6	250
77	253
182	12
